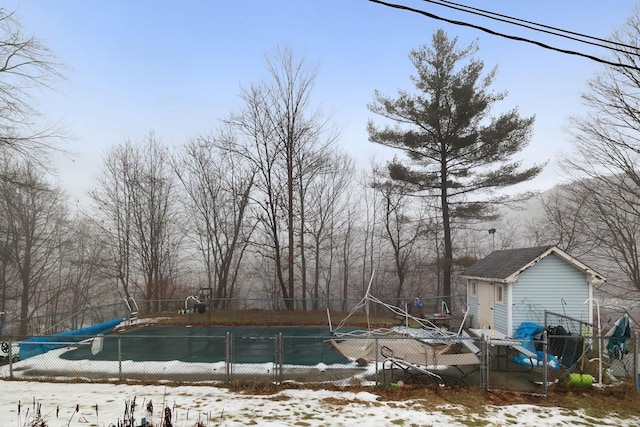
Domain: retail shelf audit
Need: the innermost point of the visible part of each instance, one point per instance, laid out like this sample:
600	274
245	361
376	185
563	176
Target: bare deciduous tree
604	164
402	225
326	202
348	250
34	212
218	188
563	223
114	218
81	281
137	211
26	64
282	136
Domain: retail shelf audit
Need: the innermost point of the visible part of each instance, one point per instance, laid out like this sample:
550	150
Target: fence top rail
568	318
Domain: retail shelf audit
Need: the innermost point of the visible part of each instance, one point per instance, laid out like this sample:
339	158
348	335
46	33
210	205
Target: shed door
485	305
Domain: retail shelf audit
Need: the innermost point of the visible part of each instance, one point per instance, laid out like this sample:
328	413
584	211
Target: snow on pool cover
302	345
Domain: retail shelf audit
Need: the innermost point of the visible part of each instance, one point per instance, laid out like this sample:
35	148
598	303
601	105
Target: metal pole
487	347
278	349
119	358
599	340
636	369
406	315
599	345
280	358
228	356
376	361
11	358
545	362
483	362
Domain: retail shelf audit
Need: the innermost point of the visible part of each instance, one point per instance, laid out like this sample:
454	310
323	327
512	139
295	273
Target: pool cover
42	344
303	345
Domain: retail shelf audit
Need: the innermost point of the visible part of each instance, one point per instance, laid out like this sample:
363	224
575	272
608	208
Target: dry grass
596	403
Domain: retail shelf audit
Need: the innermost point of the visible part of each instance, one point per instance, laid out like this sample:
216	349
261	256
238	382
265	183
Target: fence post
228	355
11	358
376	362
276	358
279	358
636	369
282	360
119	358
545	362
484	362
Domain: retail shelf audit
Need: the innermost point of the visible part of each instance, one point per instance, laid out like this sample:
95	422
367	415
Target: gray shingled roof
502	264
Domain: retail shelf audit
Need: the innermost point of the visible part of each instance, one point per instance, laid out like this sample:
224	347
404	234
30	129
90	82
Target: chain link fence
61	321
312	355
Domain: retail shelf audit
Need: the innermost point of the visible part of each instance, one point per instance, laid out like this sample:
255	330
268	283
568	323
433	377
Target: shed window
499	294
474	288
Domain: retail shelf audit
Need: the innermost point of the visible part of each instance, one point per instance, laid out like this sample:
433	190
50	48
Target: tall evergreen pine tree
455	150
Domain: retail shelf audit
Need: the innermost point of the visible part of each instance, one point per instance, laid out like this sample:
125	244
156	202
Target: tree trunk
448	247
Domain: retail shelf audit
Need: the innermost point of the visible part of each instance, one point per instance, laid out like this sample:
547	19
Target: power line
533	25
507	36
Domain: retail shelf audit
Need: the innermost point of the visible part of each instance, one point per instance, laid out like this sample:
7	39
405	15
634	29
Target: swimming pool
302	345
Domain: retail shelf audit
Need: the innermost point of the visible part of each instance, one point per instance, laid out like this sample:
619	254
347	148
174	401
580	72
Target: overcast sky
176	67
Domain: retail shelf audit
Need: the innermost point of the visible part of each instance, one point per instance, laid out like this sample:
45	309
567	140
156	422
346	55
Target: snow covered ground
104	405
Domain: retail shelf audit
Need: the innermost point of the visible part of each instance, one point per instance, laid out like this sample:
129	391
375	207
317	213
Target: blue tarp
39	345
526	331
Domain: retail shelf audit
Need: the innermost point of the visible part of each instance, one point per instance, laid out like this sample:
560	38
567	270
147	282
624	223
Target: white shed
512	286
